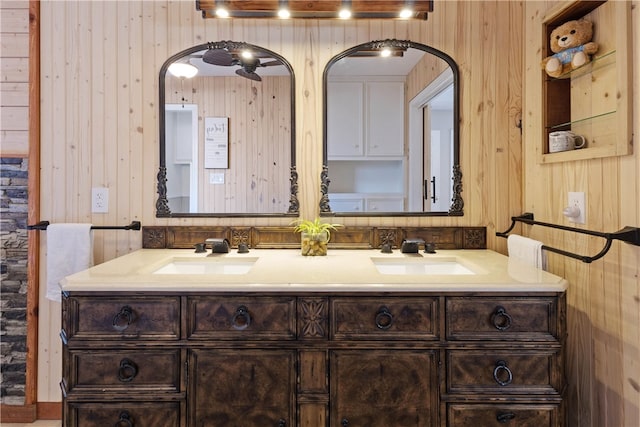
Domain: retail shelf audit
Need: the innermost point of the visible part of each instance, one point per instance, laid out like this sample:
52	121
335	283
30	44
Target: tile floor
39	423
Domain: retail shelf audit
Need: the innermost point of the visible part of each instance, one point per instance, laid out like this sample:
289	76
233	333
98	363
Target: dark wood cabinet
381	388
242	387
313	359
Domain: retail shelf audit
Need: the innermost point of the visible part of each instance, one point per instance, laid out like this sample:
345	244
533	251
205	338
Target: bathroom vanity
165	337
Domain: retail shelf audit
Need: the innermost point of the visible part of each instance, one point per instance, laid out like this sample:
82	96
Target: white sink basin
207	266
421	266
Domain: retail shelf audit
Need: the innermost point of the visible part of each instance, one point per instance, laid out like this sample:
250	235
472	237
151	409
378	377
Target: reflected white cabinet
363	202
365	119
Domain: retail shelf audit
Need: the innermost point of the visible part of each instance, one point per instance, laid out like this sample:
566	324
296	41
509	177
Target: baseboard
18	414
30	413
49	410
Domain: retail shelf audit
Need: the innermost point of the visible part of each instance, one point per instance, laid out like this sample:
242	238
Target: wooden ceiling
325	9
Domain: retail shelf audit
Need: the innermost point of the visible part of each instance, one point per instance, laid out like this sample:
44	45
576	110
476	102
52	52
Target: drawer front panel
99	318
241	318
499	318
503	415
384	318
101	414
117	370
502	371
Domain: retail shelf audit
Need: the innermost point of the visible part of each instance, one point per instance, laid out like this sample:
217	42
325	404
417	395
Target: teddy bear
572	47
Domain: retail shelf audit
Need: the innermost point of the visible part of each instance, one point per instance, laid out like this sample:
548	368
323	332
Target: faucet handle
429	248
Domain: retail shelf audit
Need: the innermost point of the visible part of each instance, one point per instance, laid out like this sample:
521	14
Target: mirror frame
457	204
162	205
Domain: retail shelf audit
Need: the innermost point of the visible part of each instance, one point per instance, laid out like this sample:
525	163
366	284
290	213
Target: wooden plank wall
99	115
259	134
603	297
14	84
99	122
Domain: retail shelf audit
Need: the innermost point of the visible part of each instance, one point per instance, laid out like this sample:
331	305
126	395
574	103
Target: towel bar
135	225
627	234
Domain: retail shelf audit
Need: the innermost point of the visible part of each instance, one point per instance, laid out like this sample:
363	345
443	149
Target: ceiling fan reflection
247	61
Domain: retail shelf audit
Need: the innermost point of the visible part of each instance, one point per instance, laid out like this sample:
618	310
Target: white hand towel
69	250
527	250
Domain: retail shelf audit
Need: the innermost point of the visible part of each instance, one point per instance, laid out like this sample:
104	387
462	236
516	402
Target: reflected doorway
182	157
431	143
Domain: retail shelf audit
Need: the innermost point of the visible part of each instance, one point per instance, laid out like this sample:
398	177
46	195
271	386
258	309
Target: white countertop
282	270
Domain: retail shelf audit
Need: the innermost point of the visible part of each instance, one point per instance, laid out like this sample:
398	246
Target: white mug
565	140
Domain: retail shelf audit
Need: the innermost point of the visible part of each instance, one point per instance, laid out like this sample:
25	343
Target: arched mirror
391	137
227	135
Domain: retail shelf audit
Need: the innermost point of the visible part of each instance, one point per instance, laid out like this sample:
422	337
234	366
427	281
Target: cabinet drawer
241	318
503	371
503	415
100	414
123	370
499	318
100	318
384	318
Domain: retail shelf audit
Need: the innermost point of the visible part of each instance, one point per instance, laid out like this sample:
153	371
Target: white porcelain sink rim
206	266
422	266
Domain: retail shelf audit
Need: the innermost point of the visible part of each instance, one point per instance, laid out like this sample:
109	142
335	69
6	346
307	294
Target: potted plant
315	236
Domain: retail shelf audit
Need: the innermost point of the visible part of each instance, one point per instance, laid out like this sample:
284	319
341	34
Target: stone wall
13	287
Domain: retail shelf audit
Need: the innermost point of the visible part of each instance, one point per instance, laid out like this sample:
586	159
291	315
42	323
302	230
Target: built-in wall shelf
594	100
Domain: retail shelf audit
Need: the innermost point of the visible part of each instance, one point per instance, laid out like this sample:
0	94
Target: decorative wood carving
313	315
185	237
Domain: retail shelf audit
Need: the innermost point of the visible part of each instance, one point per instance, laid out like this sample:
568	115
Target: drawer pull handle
345	422
500	372
128	371
241	319
282	423
124	420
505	417
501	319
123	319
384	318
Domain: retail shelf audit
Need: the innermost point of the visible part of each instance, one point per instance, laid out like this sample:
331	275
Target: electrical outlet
99	200
577	204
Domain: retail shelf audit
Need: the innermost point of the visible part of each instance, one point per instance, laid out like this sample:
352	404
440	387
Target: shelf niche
593	100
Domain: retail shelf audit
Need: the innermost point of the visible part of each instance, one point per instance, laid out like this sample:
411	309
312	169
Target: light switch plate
216	178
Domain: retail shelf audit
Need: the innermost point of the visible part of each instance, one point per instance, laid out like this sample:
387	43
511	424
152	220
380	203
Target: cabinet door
382	388
242	388
345	119
385	119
